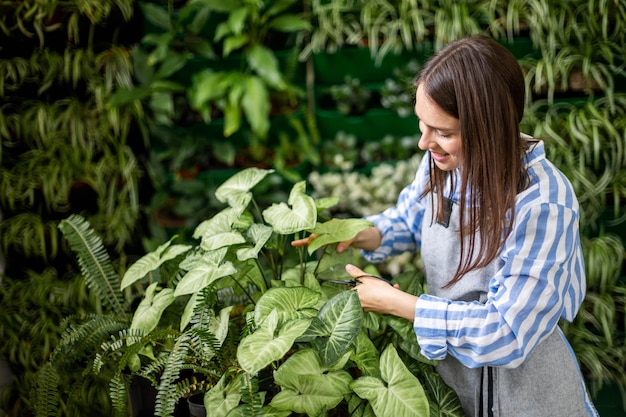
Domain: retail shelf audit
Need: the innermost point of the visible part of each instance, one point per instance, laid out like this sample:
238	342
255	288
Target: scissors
354	281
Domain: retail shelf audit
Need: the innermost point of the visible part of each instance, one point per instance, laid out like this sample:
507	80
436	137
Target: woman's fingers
305	241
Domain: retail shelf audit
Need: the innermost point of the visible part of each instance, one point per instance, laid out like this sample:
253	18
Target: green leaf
325	203
237	20
151	308
220	226
156	15
288	303
289	23
259	234
255	103
337	230
235	191
220	399
307	386
152	261
123	96
339	323
263	61
171	63
232	43
261	348
301	216
399	393
208	270
366	355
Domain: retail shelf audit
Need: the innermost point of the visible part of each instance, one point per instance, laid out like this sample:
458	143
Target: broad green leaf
259	234
235	191
232	43
366	356
339	323
151	308
287	303
255	102
307	386
301	216
337	230
203	274
217	232
152	261
325	203
220	399
406	339
237	20
289	23
262	60
207	86
399	393
262	347
443	400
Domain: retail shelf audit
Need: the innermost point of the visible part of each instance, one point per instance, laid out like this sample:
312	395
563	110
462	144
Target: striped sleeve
541	281
400	225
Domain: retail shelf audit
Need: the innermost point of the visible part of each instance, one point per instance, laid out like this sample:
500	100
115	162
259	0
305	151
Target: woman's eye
438	133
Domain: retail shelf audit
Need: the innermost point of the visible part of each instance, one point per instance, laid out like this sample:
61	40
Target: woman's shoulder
547	183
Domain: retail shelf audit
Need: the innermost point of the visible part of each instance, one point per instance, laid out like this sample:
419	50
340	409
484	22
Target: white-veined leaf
259	234
302	215
262	347
287	303
399	393
337	230
151	261
339	323
220	399
307	386
151	308
235	191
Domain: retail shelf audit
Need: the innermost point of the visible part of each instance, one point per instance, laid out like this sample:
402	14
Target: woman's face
441	133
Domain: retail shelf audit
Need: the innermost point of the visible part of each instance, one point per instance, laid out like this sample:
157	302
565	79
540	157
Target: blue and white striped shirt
538	278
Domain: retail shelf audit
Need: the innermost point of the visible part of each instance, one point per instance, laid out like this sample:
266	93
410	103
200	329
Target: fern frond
165	399
81	340
119	394
94	261
46	394
251	398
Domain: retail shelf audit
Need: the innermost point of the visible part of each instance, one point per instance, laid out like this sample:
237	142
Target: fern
166	400
94	262
46	398
251	398
119	394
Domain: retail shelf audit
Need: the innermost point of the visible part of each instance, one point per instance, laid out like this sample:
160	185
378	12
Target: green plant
398	91
334	24
306	346
455	19
247	91
393	26
62	150
350	98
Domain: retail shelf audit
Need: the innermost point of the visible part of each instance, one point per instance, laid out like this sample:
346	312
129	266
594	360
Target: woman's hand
379	297
368	239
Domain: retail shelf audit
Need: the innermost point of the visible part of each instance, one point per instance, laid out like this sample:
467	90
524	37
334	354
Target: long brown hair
479	82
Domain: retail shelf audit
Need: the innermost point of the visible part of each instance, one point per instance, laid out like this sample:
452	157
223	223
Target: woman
496	224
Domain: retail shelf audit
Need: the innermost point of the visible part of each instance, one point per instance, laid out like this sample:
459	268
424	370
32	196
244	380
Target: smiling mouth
438	156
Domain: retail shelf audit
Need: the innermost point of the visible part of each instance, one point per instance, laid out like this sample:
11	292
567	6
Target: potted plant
258	327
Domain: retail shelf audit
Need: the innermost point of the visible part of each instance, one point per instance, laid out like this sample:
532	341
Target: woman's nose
424	141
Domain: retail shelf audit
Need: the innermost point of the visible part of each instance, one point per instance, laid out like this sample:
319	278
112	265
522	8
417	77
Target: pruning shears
355	280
